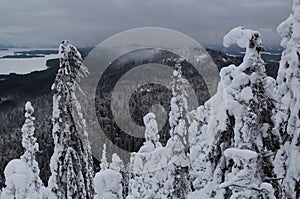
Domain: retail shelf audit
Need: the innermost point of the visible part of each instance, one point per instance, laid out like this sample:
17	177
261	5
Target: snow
284	30
175	73
151	132
286	116
17	175
147	147
239	36
234	153
29	108
153	160
233	36
198	195
267	190
117	163
108	184
175	113
246	95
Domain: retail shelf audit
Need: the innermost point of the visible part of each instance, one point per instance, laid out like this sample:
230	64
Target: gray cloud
86	23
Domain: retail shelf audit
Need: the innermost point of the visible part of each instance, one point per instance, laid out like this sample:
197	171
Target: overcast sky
88	22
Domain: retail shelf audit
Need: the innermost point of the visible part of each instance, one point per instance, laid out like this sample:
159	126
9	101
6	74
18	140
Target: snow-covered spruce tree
35	185
118	165
151	134
249	101
250	97
22	176
209	135
200	168
179	119
149	184
287	118
108	182
71	164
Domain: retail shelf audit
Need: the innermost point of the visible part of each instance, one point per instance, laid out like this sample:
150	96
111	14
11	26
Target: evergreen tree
209	136
151	132
149	184
22	175
71	164
287	116
241	158
179	119
250	99
108	182
35	185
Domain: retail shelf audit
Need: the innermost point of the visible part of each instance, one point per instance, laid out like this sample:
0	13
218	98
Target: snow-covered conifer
207	142
143	183
287	116
108	182
151	134
116	163
248	96
71	164
179	119
35	185
22	175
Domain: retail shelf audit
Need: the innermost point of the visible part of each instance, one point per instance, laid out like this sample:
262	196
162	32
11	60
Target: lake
24	65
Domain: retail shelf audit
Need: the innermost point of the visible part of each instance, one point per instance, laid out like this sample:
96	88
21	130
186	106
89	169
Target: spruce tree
71	163
179	119
149	184
241	156
287	116
108	181
35	185
22	175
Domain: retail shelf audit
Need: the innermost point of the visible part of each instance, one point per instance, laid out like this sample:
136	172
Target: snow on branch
244	38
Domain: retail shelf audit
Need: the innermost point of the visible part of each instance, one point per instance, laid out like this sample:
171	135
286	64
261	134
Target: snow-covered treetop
66	47
148	117
28	139
178	80
249	39
151	134
151	131
71	65
290	27
244	38
28	108
285	30
289	30
117	163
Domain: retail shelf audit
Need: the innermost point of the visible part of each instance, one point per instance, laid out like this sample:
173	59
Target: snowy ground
23	65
